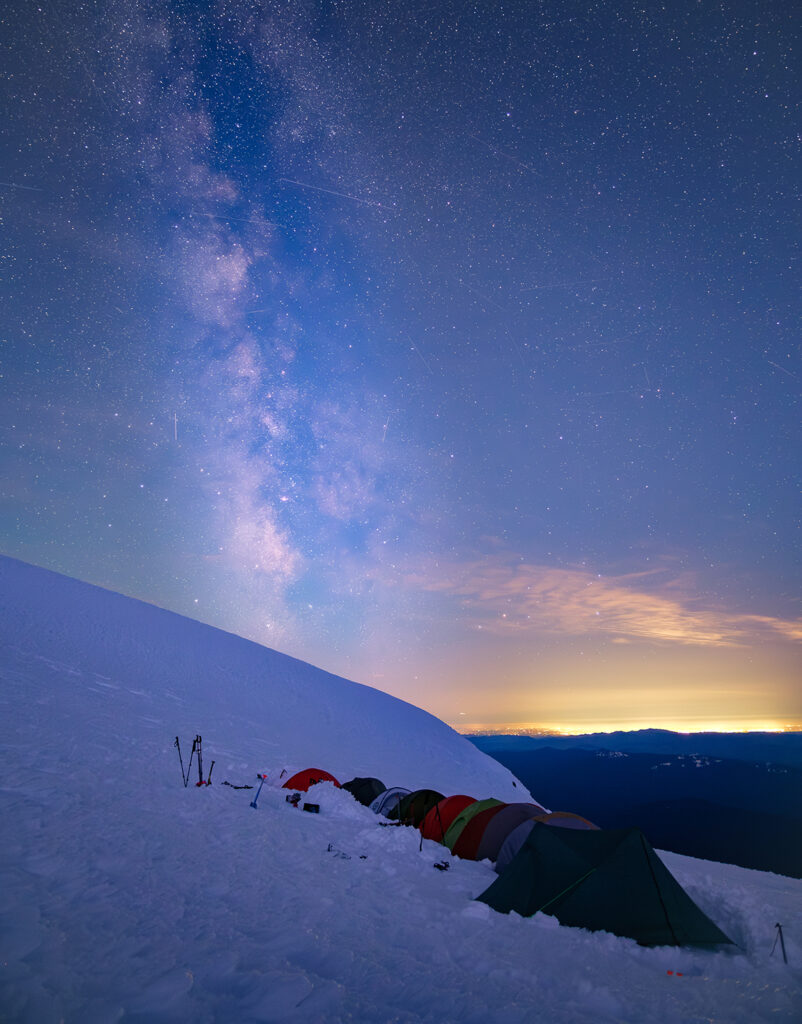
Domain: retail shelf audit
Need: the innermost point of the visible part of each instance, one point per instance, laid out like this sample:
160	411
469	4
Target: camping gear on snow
515	840
467	844
458	824
603	880
389	799
412	809
365	790
309	777
435	824
500	825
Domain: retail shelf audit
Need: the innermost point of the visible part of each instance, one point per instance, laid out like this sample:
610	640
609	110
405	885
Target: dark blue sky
451	347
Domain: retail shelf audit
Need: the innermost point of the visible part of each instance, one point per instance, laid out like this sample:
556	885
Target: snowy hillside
162	675
124	895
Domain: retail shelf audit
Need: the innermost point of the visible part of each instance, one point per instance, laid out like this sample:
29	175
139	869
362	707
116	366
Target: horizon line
758	728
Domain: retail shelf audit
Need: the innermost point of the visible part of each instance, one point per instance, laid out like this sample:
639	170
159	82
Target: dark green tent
604	880
412	809
365	790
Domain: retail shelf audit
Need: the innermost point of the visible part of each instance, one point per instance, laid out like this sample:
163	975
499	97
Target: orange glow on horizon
585	728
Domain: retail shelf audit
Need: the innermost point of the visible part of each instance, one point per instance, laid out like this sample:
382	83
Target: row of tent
555	863
471	829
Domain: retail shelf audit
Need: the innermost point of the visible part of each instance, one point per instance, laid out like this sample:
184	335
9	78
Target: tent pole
657	889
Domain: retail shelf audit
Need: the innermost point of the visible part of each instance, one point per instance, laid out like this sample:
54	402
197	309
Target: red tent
435	824
469	838
308	777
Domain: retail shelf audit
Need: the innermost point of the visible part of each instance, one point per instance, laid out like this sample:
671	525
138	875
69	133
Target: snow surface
125	896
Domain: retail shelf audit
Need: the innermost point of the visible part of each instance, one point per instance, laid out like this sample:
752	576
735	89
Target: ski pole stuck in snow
196	748
191	756
184	775
779	937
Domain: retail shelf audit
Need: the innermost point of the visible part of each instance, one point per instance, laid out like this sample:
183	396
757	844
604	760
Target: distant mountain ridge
723	809
776	747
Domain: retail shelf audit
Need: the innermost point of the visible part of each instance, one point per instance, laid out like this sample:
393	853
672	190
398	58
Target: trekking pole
258	791
191	756
184	777
209	777
200	763
779	936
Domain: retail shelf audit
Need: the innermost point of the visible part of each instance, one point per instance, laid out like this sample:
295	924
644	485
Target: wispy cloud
505	597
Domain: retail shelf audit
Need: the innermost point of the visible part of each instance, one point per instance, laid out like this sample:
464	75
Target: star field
454	348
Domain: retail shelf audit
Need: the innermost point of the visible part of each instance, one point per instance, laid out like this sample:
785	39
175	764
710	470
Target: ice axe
258	791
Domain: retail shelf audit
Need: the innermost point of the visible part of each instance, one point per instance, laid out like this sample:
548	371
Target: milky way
451	347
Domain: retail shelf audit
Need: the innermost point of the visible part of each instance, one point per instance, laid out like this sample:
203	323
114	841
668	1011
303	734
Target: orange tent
308	777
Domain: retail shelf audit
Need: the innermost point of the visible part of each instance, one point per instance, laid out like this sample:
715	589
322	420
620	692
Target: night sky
451	347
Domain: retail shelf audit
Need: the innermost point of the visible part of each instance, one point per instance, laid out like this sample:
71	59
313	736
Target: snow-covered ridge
264	707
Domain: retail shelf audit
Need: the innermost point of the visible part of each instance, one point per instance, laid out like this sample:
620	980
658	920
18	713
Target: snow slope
169	675
124	895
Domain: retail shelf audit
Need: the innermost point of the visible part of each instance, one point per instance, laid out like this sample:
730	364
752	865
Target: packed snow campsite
127	895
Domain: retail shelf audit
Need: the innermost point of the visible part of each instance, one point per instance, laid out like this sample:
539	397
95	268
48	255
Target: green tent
412	809
603	880
458	824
